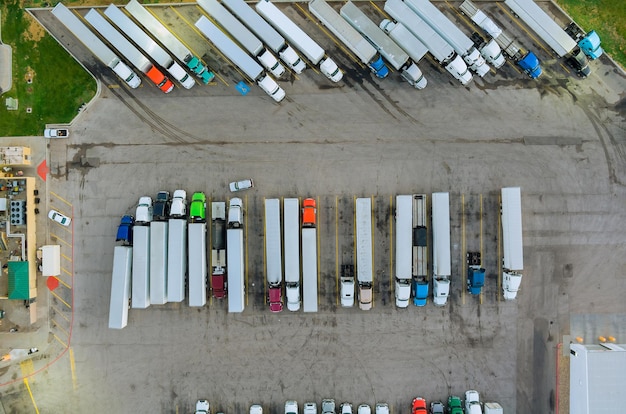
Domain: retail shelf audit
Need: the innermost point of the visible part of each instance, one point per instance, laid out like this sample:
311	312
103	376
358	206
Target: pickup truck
56	133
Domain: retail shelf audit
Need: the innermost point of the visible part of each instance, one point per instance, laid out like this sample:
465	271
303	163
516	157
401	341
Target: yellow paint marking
27	367
55	323
64	302
337	251
66	257
60	198
31	395
391	284
61	342
463	261
73	367
113	86
61	314
67	272
63	283
60	239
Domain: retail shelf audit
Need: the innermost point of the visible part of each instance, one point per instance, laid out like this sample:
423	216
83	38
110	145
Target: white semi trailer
298	38
273	254
364	271
234	257
158	262
353	40
441	248
171	42
266	33
141	267
388	49
145	42
176	259
120	286
512	243
197	264
462	44
128	50
291	226
240	58
411	31
95	45
404	249
243	36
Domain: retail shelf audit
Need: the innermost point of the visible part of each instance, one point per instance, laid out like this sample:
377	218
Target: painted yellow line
67	272
195	29
59	340
113	86
338	293
565	68
61	314
372	232
245	219
499	283
73	367
330	35
52	193
463	262
63	283
66	257
381	11
57	296
27	367
55	323
518	23
31	395
54	235
391	284
481	243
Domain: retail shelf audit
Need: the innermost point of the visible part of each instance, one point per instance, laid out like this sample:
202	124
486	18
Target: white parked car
291	407
202	407
472	402
144	210
364	409
256	409
241	185
59	218
346	408
382	408
178	208
309	408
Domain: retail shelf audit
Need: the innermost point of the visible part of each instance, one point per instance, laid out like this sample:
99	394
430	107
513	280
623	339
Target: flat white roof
597	379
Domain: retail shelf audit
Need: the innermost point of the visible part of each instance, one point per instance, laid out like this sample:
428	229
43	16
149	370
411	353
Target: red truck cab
276	299
309	213
218	283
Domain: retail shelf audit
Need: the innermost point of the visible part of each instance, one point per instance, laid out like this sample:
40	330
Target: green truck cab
454	405
197	208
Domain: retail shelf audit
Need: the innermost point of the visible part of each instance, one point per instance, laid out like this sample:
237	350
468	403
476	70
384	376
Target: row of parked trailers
250	42
160	263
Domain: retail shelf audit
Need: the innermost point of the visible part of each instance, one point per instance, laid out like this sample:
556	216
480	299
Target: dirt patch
29	75
35	31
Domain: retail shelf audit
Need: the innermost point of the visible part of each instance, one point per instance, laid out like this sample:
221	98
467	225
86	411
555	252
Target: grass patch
607	17
59	84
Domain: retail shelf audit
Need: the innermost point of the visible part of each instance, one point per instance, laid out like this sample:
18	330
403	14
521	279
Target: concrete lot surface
561	139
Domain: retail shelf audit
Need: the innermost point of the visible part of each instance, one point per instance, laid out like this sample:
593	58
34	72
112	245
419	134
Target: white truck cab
235	213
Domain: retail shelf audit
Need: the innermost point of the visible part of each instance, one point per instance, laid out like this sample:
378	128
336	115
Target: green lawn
607	17
59	84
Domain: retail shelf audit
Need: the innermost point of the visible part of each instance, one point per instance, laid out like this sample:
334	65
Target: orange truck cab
309	212
160	80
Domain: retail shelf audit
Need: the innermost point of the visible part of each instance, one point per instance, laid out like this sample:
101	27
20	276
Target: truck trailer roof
260	27
404	236
364	240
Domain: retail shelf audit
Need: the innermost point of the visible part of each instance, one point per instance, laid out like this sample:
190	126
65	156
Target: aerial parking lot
560	138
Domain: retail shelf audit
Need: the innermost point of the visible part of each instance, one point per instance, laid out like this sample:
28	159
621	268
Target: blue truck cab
419	287
475	273
530	64
124	230
590	45
379	68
